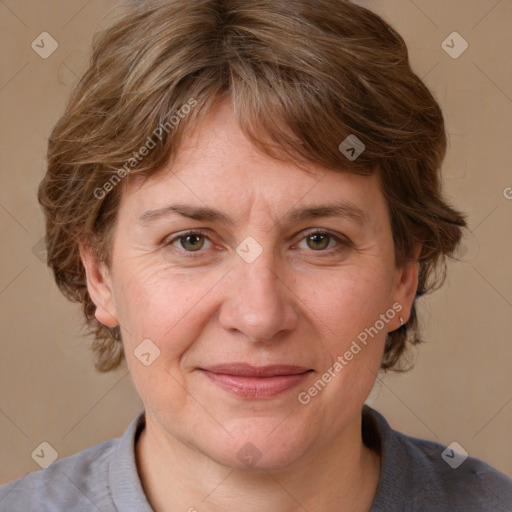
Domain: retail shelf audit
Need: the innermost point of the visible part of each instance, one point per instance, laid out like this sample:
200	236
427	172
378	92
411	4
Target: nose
258	303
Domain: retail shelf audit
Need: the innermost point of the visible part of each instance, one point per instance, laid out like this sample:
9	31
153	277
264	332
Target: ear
99	286
405	287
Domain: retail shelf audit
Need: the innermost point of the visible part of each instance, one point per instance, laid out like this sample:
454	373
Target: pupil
196	237
318	239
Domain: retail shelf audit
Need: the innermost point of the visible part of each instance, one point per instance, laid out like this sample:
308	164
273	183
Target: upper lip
248	370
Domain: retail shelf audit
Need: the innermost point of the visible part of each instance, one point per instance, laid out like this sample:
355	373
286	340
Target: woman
245	198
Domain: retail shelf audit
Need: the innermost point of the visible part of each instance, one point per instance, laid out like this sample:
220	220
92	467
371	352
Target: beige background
461	387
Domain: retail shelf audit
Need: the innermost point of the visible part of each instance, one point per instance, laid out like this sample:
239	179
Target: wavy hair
301	76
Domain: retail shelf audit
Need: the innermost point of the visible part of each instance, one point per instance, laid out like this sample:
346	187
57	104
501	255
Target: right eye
190	241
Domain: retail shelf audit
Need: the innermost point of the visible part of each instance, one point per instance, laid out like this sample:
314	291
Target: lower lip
256	387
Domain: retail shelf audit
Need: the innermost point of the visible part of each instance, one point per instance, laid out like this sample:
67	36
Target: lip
256	382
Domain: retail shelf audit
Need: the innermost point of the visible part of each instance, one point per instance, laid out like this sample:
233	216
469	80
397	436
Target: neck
342	476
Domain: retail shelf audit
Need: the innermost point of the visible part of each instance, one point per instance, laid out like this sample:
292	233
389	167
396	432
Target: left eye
194	241
320	240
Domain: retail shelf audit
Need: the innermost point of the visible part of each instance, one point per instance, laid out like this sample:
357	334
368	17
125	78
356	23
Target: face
257	283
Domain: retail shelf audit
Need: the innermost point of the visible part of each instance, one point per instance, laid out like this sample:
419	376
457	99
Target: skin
299	303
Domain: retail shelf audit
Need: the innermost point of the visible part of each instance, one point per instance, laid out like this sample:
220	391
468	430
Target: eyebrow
202	213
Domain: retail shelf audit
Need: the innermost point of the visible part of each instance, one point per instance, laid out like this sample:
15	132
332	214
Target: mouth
256	382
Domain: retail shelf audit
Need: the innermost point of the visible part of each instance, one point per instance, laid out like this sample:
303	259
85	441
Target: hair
301	76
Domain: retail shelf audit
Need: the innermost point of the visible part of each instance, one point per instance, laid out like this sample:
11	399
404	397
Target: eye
189	241
321	240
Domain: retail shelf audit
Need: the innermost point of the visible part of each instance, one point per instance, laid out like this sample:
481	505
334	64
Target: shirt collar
378	435
128	494
125	485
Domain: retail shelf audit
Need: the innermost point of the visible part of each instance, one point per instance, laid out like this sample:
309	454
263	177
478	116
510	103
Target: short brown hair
305	75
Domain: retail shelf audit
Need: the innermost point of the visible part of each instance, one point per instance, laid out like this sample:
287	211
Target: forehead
216	164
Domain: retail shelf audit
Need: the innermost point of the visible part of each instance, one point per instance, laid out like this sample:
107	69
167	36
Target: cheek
348	316
350	301
163	306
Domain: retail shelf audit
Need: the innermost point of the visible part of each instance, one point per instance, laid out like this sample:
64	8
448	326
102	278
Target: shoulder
78	482
458	482
425	475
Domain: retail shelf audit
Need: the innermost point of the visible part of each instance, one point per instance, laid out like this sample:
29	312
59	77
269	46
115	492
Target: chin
261	445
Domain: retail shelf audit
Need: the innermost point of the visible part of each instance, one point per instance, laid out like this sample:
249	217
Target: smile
256	382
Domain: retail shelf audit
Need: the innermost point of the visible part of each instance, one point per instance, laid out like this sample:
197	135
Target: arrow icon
352	147
44	45
44	454
454	45
249	455
146	352
454	455
249	249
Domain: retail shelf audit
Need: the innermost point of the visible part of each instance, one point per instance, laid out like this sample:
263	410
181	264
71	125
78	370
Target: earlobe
99	286
405	289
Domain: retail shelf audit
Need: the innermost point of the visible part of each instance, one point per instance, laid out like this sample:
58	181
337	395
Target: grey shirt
414	477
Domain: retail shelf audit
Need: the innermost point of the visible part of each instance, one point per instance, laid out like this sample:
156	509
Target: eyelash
342	243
